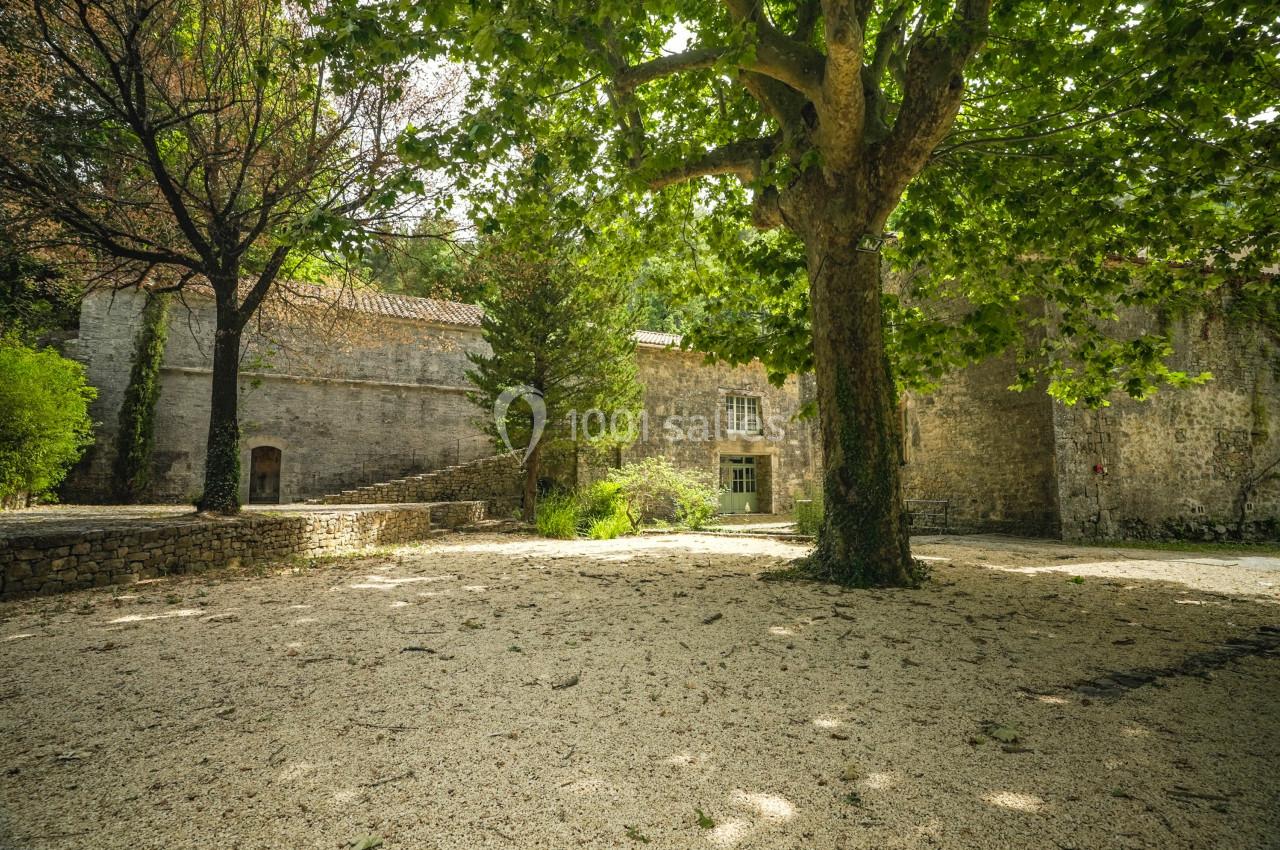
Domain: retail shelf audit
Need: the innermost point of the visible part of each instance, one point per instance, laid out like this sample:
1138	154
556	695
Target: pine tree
561	333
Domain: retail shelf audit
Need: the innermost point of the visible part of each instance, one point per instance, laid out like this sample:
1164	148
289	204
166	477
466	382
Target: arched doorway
264	475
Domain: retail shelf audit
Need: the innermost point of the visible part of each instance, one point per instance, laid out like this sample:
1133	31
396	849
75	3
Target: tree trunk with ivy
222	451
863	540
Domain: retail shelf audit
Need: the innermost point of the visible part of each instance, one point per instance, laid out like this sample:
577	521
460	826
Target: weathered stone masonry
383	396
52	562
376	392
1176	465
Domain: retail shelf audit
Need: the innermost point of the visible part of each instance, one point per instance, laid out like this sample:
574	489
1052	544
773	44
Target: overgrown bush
609	527
597	511
654	490
647	492
557	516
601	501
44	419
809	510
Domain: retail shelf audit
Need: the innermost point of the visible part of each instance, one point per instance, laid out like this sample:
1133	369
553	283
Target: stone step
399	489
494	526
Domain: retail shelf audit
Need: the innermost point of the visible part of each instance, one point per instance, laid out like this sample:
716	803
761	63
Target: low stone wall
61	560
494	480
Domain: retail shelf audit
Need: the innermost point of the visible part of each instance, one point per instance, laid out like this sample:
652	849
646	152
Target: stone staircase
494	480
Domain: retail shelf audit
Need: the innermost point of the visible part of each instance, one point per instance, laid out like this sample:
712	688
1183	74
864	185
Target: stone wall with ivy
135	433
1201	463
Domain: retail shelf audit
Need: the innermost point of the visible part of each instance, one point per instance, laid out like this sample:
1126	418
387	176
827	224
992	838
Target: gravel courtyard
510	692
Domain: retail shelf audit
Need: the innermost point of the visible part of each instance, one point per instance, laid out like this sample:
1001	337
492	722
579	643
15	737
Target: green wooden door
738	478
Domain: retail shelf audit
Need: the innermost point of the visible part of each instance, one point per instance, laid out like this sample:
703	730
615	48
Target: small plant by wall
809	510
136	438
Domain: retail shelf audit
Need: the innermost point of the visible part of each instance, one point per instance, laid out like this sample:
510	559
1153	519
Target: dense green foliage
136	437
44	419
656	491
35	298
601	504
426	263
556	331
609	527
557	517
639	494
597	511
1103	156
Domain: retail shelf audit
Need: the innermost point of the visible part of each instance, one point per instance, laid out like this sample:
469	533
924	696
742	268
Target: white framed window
742	414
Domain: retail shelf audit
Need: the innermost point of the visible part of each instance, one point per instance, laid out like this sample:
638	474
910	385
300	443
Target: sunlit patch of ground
512	692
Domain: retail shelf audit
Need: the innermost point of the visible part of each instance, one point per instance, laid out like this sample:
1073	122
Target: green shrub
609	527
654	490
44	418
557	517
600	501
809	510
650	491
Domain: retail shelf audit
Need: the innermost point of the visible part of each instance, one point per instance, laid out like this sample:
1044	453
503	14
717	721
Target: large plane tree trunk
864	538
222	452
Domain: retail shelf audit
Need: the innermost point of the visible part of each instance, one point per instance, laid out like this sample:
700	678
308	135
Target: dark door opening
264	475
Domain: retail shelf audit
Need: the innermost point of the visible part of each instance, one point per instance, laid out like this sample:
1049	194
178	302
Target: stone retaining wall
495	480
59	561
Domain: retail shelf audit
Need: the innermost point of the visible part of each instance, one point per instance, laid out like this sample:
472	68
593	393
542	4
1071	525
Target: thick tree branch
776	55
260	287
932	92
630	78
841	107
742	159
807	13
889	40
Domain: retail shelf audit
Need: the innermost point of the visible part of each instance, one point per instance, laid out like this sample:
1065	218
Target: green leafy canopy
1103	157
44	418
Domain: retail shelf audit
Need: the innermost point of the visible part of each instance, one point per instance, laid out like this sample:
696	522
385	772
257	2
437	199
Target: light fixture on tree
869	243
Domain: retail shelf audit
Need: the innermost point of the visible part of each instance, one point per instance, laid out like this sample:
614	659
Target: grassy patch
1269	547
609	527
557	517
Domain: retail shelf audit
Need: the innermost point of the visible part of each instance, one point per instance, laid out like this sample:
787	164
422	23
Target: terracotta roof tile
375	302
657	338
378	303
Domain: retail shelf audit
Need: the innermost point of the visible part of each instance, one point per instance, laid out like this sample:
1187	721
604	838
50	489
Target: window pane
742	413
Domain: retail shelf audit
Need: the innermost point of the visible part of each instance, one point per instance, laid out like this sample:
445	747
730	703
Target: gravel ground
509	692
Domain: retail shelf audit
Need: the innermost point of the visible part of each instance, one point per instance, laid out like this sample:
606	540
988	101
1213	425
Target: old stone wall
985	450
352	400
66	560
348	399
496	481
684	400
1202	462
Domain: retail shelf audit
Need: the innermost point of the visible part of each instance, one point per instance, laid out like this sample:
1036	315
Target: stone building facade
339	399
375	389
1201	462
